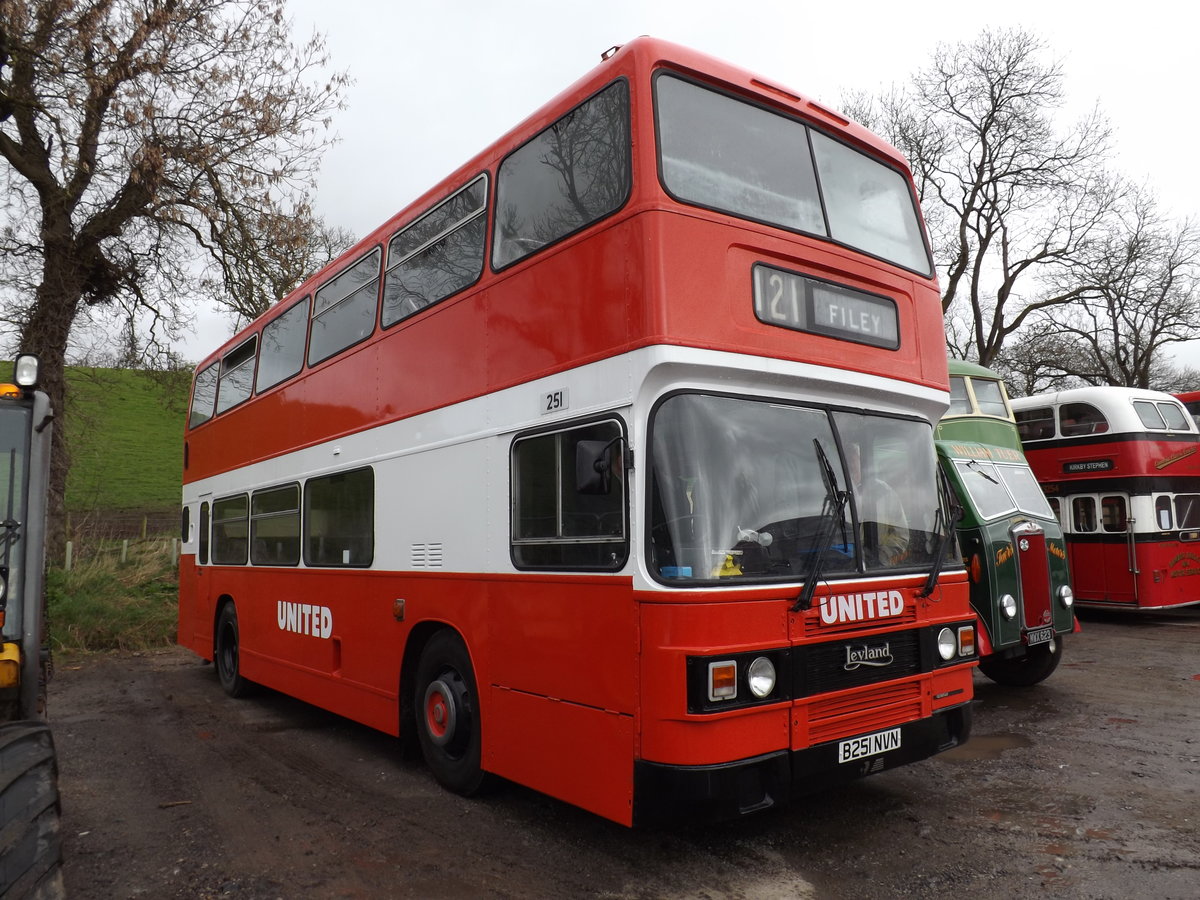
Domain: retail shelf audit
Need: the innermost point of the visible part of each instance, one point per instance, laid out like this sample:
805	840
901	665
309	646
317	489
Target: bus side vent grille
427	556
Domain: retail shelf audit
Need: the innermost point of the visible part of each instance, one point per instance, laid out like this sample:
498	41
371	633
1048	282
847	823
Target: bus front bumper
666	794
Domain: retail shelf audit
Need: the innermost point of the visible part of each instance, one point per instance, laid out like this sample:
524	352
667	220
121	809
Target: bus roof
973	370
1116	404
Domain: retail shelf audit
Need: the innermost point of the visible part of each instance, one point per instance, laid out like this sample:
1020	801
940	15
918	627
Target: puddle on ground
986	746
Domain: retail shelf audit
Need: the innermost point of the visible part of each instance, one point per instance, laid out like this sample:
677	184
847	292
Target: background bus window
1175	417
572	174
555	525
229	531
1035	424
960	402
1162	512
339	519
1112	513
1055	507
1075	419
1149	414
275	526
1187	511
990	397
1083	513
344	309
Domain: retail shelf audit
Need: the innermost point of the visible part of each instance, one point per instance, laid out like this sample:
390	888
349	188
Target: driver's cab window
568	498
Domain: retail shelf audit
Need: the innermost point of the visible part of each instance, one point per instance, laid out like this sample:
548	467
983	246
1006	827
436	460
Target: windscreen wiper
947	535
834	503
976	467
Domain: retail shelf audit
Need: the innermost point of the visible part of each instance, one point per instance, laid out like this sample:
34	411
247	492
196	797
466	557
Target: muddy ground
1085	786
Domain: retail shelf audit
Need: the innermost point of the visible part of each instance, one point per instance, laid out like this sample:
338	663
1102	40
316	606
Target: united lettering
842	608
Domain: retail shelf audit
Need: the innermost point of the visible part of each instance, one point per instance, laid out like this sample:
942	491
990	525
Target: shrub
104	604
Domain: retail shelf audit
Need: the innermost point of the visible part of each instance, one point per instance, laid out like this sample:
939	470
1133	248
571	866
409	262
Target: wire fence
118	534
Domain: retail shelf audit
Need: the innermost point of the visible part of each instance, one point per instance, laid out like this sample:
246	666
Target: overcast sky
437	81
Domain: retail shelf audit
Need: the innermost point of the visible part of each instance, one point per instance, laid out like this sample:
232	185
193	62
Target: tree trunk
46	334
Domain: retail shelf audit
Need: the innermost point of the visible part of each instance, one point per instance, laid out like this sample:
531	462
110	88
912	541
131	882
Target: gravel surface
1086	786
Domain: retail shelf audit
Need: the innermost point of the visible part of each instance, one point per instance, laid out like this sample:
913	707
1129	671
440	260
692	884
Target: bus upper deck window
1035	424
1075	419
1175	417
990	397
1150	414
960	402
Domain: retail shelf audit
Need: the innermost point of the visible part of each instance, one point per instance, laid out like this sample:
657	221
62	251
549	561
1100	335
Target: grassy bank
125	430
104	604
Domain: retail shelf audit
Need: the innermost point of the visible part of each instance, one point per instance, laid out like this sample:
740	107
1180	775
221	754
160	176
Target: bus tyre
30	841
1024	671
225	653
447	708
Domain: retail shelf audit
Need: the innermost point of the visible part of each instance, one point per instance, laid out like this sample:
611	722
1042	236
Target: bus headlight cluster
723	679
952	643
1066	596
1008	604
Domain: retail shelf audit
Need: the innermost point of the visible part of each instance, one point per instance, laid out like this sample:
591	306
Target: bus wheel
1024	671
225	653
447	707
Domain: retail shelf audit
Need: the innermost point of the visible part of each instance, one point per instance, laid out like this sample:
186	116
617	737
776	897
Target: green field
125	430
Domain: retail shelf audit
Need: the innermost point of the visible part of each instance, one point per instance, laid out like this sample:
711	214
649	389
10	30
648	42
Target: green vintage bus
1011	542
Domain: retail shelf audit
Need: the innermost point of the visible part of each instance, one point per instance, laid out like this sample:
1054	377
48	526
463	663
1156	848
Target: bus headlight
1066	596
946	644
1008	604
761	677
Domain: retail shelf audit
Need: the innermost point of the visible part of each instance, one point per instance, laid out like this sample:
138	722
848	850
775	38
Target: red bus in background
1121	470
607	465
1191	402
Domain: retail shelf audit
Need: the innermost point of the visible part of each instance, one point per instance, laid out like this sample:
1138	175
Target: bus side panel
186	632
562	669
527	336
1100	571
576	753
1166	573
326	637
573	639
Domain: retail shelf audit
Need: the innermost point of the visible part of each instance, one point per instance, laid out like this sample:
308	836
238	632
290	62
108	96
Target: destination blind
795	301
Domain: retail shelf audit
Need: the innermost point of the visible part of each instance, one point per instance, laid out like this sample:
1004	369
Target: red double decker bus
606	466
1121	471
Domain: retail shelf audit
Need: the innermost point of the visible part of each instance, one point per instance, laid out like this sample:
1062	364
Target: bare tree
140	141
1146	298
1010	201
272	260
